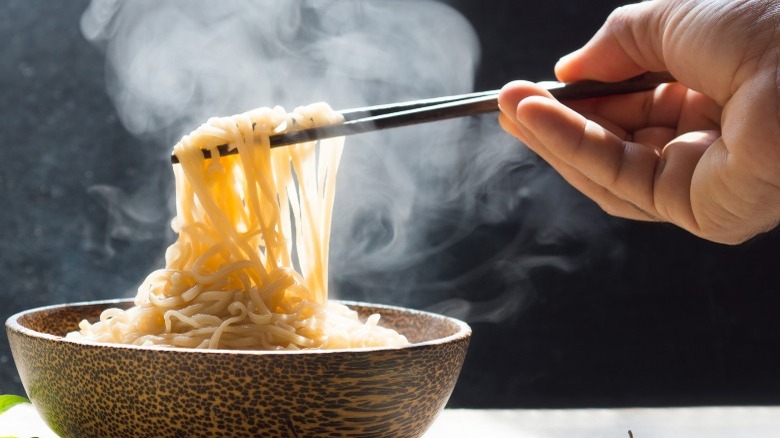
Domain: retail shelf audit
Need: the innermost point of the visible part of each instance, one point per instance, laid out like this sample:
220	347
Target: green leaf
9	401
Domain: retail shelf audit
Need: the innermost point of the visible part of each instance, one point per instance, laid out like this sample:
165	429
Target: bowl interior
417	326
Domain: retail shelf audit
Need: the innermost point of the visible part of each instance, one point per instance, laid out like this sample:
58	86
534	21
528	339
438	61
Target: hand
703	153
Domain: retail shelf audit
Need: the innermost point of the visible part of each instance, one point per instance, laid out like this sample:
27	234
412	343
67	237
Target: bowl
91	389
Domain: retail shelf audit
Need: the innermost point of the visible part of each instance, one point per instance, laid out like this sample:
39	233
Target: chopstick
374	118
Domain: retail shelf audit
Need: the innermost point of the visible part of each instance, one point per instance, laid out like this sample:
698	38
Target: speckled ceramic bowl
104	390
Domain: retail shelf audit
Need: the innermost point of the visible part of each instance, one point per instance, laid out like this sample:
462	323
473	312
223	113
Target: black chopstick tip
222	151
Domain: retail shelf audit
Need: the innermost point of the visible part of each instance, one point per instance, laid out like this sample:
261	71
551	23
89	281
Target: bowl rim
13	324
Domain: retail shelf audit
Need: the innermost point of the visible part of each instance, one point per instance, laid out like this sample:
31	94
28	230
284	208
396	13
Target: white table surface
697	422
720	422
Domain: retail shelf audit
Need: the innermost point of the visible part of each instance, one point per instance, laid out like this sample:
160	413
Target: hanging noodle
249	269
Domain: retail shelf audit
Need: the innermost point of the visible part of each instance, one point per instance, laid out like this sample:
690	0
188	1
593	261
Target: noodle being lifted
244	223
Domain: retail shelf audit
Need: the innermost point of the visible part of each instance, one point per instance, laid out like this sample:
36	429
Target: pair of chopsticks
374	118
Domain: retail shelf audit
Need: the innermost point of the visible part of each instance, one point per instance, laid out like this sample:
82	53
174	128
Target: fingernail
522	126
507	102
512	128
524	129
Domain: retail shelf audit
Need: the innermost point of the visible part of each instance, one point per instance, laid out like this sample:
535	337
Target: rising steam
172	65
423	214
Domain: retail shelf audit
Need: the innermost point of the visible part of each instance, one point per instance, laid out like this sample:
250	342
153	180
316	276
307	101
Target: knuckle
621	21
609	204
716	232
610	209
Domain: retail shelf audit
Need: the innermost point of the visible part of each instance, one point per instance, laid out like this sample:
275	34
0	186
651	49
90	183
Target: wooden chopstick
374	118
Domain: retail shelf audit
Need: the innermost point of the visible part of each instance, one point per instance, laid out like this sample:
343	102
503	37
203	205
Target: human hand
703	153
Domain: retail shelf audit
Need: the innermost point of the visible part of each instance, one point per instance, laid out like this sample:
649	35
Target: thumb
629	43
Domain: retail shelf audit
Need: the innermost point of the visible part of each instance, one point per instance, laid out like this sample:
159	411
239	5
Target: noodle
249	269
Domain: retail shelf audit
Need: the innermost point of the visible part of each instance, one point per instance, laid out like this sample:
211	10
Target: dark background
653	316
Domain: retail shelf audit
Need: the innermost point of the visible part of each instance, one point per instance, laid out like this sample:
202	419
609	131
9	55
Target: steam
172	65
425	214
131	217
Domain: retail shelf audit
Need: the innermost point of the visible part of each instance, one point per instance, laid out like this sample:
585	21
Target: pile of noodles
249	269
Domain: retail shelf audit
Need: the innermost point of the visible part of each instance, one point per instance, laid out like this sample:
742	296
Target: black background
668	319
